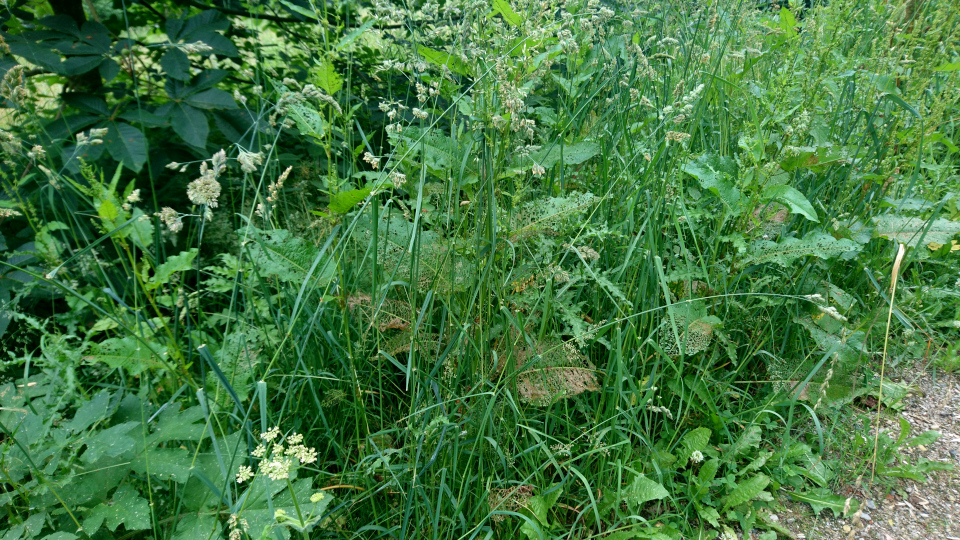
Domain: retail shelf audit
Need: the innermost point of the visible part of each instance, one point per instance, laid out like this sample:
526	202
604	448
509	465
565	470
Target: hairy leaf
746	491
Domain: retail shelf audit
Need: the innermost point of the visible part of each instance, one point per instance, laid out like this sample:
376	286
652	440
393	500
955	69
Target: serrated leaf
642	490
126	144
341	203
927	437
911	231
177	263
746	491
325	76
795	200
165	463
198	527
190	124
822	498
695	440
758	462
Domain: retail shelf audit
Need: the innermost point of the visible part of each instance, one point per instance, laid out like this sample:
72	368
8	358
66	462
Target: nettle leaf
911	231
822	498
746	491
715	174
126	508
214	98
694	441
325	76
642	490
795	200
783	253
174	264
341	203
126	144
176	64
190	124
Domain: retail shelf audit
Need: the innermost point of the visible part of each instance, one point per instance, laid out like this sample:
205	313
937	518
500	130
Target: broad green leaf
795	200
749	439
213	98
440	58
341	203
746	491
126	508
128	353
107	210
951	66
758	462
177	263
279	254
509	15
354	34
126	144
787	21
198	527
910	231
110	442
570	154
710	515
164	463
326	78
90	412
715	173
783	253
693	441
78	65
642	490
308	13
927	437
190	124
822	498
176	64
540	505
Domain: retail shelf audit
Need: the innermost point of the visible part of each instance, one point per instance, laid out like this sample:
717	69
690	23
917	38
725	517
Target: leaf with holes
911	231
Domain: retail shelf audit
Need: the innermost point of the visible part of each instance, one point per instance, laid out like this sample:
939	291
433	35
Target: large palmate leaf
126	144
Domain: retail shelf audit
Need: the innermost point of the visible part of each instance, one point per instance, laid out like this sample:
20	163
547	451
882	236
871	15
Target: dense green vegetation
501	269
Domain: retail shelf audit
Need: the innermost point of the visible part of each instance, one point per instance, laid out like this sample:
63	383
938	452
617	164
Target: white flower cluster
283	456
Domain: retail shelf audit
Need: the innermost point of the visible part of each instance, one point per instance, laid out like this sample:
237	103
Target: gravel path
910	510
